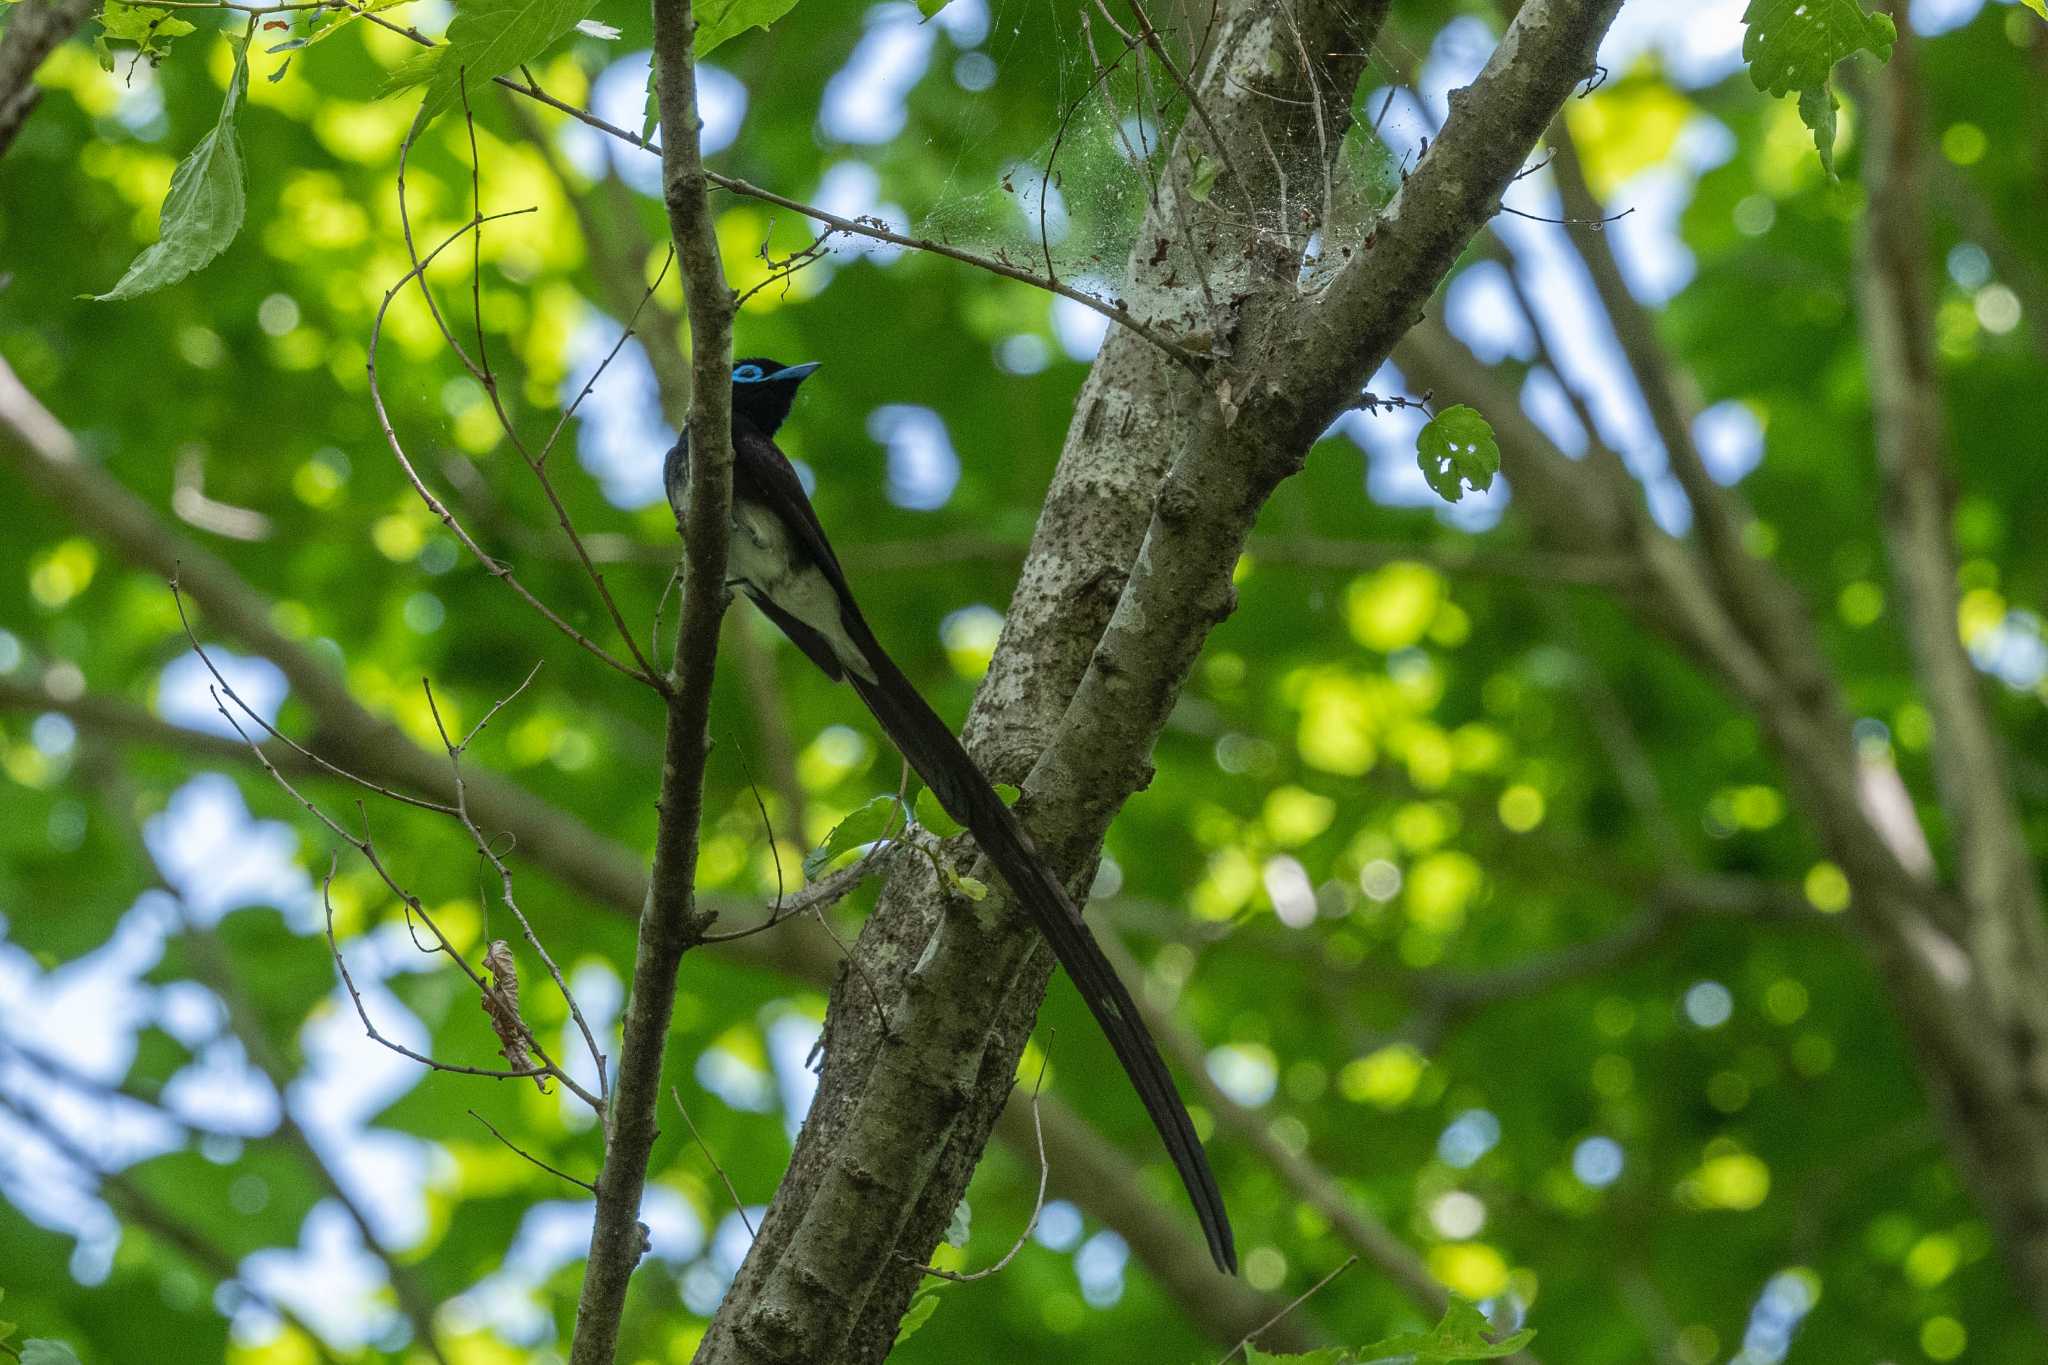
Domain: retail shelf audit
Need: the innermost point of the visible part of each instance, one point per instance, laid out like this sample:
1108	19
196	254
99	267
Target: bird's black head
763	389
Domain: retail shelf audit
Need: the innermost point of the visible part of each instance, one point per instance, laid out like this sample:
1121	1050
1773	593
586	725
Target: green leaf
1203	180
323	34
204	209
1462	1335
930	8
490	37
1794	44
2039	7
719	20
933	816
149	28
417	69
651	118
919	1313
1329	1355
1817	107
1457	448
39	1351
971	887
959	1227
1008	794
864	826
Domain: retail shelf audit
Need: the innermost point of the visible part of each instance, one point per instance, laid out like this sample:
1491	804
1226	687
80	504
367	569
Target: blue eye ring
747	374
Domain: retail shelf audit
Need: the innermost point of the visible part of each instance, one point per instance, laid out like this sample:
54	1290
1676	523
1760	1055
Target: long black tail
930	746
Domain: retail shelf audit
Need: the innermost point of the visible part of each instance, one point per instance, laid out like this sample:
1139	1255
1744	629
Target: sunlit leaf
863	827
1462	1334
490	37
148	27
918	1314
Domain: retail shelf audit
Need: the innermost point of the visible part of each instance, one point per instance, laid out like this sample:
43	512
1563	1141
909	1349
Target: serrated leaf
490	37
417	69
933	816
1461	1335
204	209
1457	448
1817	111
148	27
1794	44
40	1351
719	20
864	826
916	1316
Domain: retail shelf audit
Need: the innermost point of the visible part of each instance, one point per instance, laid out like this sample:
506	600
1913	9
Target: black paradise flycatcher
781	559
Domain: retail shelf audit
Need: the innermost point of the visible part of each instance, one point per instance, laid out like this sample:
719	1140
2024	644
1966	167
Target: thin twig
501	572
551	1170
490	854
1297	1302
1037	1204
739	1206
480	370
178	597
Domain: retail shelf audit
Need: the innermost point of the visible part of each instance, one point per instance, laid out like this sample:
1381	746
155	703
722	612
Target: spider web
1068	199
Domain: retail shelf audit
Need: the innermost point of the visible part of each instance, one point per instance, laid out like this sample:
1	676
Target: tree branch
34	28
671	921
1174	475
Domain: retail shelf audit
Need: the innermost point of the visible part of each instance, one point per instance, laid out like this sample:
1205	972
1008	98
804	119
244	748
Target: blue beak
794	373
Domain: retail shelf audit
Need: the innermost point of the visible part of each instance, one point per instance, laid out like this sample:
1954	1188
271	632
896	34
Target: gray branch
34	28
671	920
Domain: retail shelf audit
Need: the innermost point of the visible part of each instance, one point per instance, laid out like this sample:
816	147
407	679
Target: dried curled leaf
501	1004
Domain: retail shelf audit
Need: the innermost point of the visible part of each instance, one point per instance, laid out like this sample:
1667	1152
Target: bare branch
739	1205
34	29
515	1147
490	855
1298	1301
671	921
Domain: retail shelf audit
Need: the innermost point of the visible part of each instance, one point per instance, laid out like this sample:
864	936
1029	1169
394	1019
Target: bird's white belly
763	559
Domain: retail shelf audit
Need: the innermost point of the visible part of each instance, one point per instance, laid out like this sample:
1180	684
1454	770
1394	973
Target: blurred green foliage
1442	759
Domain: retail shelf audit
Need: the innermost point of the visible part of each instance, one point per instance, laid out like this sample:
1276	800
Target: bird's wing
762	474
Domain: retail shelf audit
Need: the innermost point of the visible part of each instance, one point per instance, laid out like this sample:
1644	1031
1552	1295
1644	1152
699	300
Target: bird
781	560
